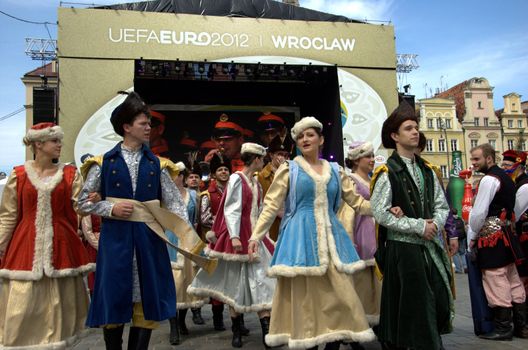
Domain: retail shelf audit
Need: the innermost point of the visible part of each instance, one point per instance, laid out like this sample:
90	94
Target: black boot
113	338
264	324
218	317
139	338
174	337
243	330
237	337
520	329
197	316
502	317
181	320
333	345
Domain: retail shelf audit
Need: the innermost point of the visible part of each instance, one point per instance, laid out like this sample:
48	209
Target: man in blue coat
133	279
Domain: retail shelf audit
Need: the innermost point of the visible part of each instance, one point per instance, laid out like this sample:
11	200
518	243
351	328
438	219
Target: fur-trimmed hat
253	148
392	124
125	113
303	124
43	132
278	145
219	161
359	149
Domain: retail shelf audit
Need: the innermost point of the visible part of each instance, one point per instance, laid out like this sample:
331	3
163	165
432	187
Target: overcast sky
454	40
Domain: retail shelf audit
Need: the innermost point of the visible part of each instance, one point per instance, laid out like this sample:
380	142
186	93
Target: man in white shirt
489	222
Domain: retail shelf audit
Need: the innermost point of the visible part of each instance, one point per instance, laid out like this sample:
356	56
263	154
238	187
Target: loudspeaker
408	98
44	105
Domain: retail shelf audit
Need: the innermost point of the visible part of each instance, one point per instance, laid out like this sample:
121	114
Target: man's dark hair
127	111
392	124
248	158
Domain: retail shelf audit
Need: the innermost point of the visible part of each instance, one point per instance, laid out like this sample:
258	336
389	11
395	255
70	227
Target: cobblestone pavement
204	337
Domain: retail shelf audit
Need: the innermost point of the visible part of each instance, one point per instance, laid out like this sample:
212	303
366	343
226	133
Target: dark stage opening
193	95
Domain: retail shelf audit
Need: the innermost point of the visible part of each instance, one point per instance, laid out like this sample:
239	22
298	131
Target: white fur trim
63	344
43	249
43	135
180	166
370	262
210	236
303	124
373	320
229	257
205	292
284	338
193	305
326	241
253	148
356	151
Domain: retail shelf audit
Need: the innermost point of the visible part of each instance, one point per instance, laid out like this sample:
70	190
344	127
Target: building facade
443	131
513	123
474	109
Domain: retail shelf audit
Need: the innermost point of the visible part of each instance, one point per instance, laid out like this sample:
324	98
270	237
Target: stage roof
232	8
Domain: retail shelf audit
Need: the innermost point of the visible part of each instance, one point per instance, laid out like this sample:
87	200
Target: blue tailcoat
112	297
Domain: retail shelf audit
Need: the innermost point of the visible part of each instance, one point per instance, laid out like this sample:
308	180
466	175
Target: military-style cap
510	155
268	121
227	128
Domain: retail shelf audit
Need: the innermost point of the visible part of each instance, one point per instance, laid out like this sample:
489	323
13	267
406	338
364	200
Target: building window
444	171
510	144
429	123
492	143
519	124
429	145
486	121
474	143
479	104
476	121
454	145
441	146
439	123
523	146
448	123
510	123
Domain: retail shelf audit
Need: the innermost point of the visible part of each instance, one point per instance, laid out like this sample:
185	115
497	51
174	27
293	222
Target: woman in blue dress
314	255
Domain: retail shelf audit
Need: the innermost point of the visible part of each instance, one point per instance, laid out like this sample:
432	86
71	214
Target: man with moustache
228	137
416	296
490	234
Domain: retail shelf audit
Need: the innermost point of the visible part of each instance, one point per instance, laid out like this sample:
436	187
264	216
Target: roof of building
46	71
232	8
457	93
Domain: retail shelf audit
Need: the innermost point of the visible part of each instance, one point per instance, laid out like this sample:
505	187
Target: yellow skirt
183	279
312	310
368	288
48	313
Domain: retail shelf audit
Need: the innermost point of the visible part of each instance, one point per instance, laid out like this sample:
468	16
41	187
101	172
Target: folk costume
209	204
241	203
43	298
238	282
314	255
498	252
362	231
416	297
133	277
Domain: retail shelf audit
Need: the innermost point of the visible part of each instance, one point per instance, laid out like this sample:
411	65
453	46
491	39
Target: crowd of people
325	255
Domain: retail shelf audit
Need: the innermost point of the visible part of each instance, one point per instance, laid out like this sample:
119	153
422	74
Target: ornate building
443	131
513	122
474	109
